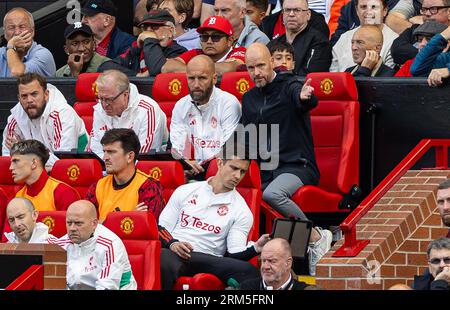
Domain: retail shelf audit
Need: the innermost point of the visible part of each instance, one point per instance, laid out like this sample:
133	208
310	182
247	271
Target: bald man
367	43
22	218
276	264
204	119
281	102
96	257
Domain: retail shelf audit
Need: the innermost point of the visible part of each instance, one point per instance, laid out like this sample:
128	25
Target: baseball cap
429	28
216	23
157	17
77	27
93	7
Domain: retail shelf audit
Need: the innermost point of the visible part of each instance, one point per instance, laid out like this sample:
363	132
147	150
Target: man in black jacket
281	103
154	45
276	264
312	48
438	277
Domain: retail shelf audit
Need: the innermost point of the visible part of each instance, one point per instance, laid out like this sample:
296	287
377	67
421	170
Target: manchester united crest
175	87
326	85
94	89
156	173
242	86
213	122
73	172
127	225
222	210
50	222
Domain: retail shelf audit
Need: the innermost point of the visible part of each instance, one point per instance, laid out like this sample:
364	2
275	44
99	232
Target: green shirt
93	65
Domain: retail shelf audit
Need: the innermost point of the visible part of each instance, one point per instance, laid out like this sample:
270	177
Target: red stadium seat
335	128
78	173
236	83
3	202
55	220
167	89
6	181
139	233
250	189
86	93
169	173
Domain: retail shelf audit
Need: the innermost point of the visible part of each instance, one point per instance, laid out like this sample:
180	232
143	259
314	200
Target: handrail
352	246
31	279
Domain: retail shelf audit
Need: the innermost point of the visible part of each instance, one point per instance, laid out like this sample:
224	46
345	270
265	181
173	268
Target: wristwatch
11	47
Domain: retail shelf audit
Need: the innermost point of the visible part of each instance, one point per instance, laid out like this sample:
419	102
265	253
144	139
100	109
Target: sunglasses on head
214	37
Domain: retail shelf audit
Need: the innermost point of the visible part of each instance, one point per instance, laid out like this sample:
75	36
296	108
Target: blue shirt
38	60
431	57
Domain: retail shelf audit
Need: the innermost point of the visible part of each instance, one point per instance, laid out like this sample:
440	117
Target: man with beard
125	188
443	203
276	264
28	160
204	119
43	114
80	49
96	257
438	275
281	101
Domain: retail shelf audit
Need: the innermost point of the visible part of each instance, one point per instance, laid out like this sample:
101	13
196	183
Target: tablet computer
163	156
296	232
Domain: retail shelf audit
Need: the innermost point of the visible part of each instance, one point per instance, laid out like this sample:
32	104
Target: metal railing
352	246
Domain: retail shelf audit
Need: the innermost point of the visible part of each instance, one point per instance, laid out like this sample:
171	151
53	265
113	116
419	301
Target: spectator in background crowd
125	188
443	203
96	257
121	106
423	34
438	277
219	245
43	114
405	14
22	217
370	12
256	10
273	26
282	100
434	59
182	11
21	53
276	269
245	32
283	55
28	160
80	47
216	39
367	43
100	16
204	119
312	48
404	47
152	48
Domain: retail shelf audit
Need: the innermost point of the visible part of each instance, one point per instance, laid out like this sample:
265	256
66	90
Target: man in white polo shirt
204	228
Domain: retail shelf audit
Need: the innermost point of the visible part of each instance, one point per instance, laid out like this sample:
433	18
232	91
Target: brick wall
399	228
54	259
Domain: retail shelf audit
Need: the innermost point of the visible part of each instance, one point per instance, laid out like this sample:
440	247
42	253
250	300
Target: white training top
211	223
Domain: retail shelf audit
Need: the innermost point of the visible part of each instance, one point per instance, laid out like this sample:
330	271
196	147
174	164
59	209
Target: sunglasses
437	261
214	37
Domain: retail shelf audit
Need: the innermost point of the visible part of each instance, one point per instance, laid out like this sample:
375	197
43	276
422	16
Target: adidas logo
192	202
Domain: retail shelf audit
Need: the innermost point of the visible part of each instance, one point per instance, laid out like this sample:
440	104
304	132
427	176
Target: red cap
216	23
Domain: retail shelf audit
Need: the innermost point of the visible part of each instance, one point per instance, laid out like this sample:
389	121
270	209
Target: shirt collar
286	285
37	186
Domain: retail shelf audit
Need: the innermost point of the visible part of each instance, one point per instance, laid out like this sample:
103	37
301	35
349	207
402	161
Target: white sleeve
231	116
335	61
96	135
151	130
112	267
64	130
238	234
169	215
179	131
11	129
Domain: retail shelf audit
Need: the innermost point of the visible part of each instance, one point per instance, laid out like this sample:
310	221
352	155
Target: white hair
30	16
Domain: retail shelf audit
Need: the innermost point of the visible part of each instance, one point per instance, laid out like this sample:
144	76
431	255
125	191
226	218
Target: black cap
77	27
429	28
157	17
93	7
